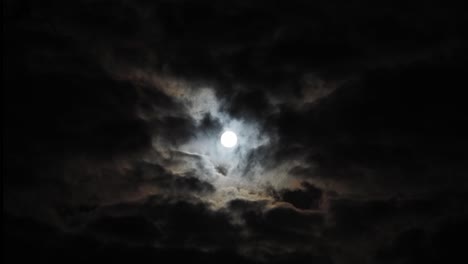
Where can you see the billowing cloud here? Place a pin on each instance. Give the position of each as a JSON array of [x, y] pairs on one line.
[[349, 117]]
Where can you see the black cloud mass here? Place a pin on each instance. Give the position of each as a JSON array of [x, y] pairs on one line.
[[351, 118]]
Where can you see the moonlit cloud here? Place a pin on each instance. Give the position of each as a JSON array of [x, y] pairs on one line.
[[349, 117]]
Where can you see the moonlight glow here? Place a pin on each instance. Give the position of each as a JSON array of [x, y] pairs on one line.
[[229, 139]]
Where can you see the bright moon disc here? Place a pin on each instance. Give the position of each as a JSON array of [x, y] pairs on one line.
[[228, 139]]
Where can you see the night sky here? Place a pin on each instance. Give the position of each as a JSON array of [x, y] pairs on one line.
[[351, 119]]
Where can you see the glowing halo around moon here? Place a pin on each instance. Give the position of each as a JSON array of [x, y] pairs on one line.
[[229, 139]]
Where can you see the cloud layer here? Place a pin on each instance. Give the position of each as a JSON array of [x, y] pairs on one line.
[[350, 119]]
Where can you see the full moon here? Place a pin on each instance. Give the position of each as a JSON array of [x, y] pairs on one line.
[[228, 139]]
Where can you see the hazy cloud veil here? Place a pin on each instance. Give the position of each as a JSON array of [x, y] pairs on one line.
[[350, 117]]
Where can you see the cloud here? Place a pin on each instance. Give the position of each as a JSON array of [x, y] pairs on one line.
[[309, 198], [350, 122]]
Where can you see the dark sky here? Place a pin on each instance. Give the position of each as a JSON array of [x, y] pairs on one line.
[[351, 119]]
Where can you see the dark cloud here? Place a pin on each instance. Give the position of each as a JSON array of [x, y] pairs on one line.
[[419, 246], [176, 130], [252, 104], [350, 118], [277, 230], [126, 228], [210, 125], [307, 198], [172, 183], [394, 127]]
